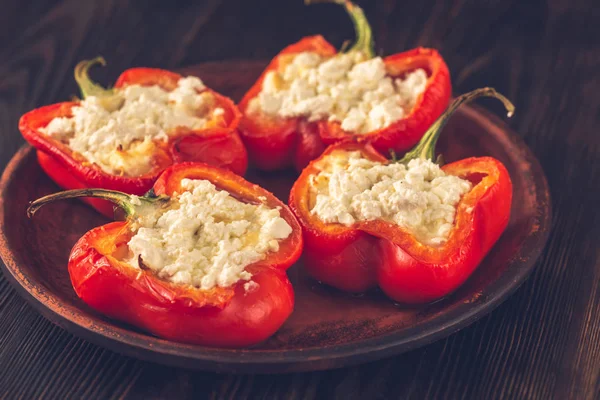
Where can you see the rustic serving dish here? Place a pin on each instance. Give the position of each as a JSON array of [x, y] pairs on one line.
[[328, 328]]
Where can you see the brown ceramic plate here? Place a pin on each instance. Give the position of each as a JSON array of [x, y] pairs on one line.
[[328, 328]]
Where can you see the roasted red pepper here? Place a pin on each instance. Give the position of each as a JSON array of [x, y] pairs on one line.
[[217, 144], [276, 142], [229, 317], [373, 253]]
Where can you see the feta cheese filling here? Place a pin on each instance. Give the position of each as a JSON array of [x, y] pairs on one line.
[[346, 88], [419, 197], [119, 135], [207, 238]]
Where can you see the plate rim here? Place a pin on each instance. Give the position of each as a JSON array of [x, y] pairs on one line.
[[139, 345]]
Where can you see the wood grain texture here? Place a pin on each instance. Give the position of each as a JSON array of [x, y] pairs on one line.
[[542, 343]]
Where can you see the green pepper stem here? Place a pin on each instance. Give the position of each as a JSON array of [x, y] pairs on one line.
[[127, 202], [425, 149], [87, 87], [364, 35]]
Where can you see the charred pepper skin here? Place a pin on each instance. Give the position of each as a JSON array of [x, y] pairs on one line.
[[218, 145], [375, 253], [276, 143], [226, 317]]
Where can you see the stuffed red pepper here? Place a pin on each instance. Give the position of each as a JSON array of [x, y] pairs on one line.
[[409, 226], [123, 138], [200, 259], [310, 96]]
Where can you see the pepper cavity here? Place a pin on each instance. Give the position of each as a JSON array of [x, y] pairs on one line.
[[181, 267], [202, 236], [413, 192], [312, 95], [122, 129], [352, 87], [409, 226]]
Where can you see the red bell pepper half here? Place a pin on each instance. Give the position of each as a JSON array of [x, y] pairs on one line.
[[275, 142], [217, 144], [378, 253], [228, 317]]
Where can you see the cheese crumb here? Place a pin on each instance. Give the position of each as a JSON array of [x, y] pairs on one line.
[[135, 200], [250, 287], [346, 88], [419, 197], [208, 238], [123, 140]]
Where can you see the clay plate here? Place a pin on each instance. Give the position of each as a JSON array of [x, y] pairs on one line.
[[328, 328]]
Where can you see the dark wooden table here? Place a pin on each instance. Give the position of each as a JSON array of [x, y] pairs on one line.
[[543, 343]]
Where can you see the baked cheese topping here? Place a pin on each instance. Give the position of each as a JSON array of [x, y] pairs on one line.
[[419, 197], [346, 88], [207, 238], [119, 134]]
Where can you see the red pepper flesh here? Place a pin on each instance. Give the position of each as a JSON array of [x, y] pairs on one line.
[[276, 143], [218, 144], [378, 253], [224, 317]]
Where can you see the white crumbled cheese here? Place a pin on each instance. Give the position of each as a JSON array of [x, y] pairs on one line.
[[251, 286], [346, 88], [207, 238], [419, 197], [120, 139], [135, 200]]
